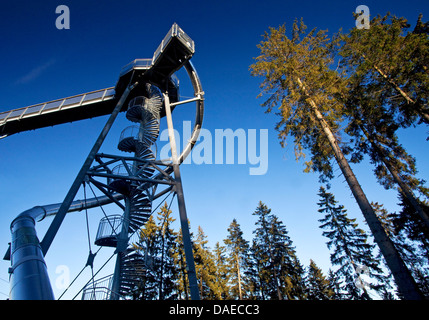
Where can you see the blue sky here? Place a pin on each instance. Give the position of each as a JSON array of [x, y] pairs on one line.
[[39, 63]]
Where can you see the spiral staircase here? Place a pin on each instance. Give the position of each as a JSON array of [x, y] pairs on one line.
[[140, 140]]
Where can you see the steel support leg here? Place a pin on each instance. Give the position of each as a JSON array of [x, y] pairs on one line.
[[121, 247], [192, 277]]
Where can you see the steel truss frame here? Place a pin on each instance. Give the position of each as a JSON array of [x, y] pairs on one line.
[[104, 170]]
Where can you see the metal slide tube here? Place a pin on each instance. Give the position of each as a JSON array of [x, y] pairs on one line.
[[38, 213], [29, 277]]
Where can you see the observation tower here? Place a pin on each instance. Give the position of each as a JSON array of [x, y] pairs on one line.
[[147, 91]]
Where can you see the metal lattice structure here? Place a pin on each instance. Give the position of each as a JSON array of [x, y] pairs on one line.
[[147, 90]]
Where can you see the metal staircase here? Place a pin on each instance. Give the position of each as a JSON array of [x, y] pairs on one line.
[[133, 271], [131, 262]]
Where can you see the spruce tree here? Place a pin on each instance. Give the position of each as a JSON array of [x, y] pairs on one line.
[[182, 285], [279, 275], [412, 240], [167, 269], [222, 273], [205, 267], [371, 106], [395, 60], [238, 249], [351, 250], [335, 285], [255, 273], [318, 286], [157, 242], [148, 244]]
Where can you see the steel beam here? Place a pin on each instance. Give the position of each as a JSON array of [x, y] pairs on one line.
[[192, 277]]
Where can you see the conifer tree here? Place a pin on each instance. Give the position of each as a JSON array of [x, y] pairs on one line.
[[335, 285], [279, 275], [412, 240], [157, 241], [318, 286], [238, 251], [396, 62], [222, 274], [255, 273], [372, 107], [300, 82], [148, 244], [167, 269], [351, 250], [182, 285], [205, 267]]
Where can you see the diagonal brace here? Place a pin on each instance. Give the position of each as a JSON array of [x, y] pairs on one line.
[[59, 217]]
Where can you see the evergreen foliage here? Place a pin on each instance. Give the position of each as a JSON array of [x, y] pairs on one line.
[[412, 239], [238, 249], [351, 250], [342, 96], [331, 90], [269, 268], [318, 287]]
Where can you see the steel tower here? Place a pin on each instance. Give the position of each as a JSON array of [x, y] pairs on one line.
[[147, 90]]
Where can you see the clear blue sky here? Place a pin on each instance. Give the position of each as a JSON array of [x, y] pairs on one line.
[[39, 63]]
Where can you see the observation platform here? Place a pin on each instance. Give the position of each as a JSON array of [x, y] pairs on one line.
[[174, 51]]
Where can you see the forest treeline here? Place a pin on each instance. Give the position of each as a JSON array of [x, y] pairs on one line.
[[267, 266], [340, 99]]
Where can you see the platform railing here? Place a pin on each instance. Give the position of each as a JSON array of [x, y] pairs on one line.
[[109, 227], [99, 289], [136, 64], [56, 105]]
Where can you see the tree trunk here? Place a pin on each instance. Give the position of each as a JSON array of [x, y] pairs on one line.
[[404, 189], [239, 278], [405, 282]]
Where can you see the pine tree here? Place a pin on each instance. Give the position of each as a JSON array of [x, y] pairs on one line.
[[167, 269], [205, 267], [182, 285], [301, 84], [238, 251], [317, 286], [222, 274], [396, 62], [277, 271], [412, 239], [351, 250], [371, 108], [148, 245], [335, 285]]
